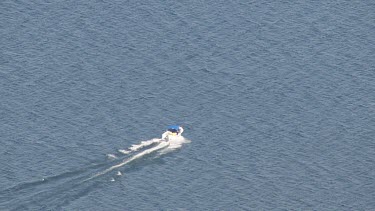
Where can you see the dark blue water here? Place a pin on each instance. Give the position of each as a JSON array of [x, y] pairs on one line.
[[277, 100]]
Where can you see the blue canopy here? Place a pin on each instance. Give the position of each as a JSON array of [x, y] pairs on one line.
[[173, 127]]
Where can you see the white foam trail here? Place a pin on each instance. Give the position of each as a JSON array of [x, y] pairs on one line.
[[137, 156], [163, 147], [111, 156], [174, 143], [136, 147], [124, 151]]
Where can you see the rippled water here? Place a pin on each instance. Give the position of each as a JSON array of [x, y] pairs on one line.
[[277, 100]]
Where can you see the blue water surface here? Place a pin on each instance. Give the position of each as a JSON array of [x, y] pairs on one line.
[[277, 99]]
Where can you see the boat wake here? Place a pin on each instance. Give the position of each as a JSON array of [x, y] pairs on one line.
[[161, 144], [59, 190]]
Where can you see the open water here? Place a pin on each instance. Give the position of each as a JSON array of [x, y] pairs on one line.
[[277, 100]]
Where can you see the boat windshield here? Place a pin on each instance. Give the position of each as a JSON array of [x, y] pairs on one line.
[[172, 130]]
